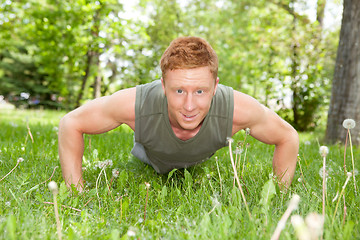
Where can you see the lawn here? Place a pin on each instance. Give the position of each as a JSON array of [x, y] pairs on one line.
[[202, 202]]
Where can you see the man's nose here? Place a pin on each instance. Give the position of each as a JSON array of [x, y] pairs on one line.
[[189, 103]]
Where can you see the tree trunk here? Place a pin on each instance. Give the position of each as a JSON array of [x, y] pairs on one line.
[[320, 10], [98, 79], [85, 78], [345, 98]]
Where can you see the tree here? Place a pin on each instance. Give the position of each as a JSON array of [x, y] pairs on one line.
[[345, 100]]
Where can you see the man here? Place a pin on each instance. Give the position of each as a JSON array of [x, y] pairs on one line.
[[179, 121]]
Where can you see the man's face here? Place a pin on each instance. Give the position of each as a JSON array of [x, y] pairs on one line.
[[189, 93]]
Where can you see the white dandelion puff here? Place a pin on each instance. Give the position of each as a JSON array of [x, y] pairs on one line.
[[315, 223], [115, 173], [131, 233], [20, 159], [349, 123], [247, 131], [327, 172], [238, 151], [230, 140], [324, 150], [53, 187]]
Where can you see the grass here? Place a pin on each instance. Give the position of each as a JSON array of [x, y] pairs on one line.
[[184, 204]]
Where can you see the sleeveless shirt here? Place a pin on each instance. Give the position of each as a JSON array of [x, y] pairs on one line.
[[163, 149]]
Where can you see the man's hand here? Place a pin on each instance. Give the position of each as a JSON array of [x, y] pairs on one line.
[[267, 127], [98, 116]]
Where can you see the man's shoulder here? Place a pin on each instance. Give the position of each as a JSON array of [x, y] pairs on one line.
[[150, 98]]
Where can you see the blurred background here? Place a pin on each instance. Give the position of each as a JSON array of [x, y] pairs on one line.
[[59, 54]]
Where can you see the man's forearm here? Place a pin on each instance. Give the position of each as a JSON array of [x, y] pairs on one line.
[[284, 162], [71, 149]]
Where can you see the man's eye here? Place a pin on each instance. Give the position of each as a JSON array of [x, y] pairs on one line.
[[199, 91], [179, 91]]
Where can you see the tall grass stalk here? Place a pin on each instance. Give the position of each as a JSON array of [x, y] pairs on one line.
[[341, 194], [230, 140], [352, 161], [324, 151], [17, 163]]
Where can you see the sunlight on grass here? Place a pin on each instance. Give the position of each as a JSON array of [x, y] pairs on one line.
[[184, 204]]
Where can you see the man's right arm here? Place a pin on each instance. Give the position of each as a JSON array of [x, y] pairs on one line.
[[98, 116]]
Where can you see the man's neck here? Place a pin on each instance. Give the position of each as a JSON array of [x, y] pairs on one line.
[[184, 134]]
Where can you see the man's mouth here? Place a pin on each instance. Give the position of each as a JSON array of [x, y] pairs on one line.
[[189, 117]]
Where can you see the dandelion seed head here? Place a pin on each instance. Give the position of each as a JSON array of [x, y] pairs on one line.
[[327, 171], [238, 151], [20, 159], [53, 187], [7, 204], [230, 140], [307, 142], [349, 123], [297, 220], [247, 131], [299, 179], [349, 174], [315, 223], [131, 233], [294, 202], [324, 150], [22, 149], [147, 185], [115, 173], [104, 164]]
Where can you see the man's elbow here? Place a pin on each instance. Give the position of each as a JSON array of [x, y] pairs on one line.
[[68, 122]]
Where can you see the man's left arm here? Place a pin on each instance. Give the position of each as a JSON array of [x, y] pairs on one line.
[[267, 127]]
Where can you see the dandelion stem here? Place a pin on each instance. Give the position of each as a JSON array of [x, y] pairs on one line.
[[243, 167], [348, 131], [97, 183], [341, 194], [17, 163], [75, 209], [352, 160], [324, 187], [237, 179], [147, 196], [281, 224], [217, 166], [58, 226], [345, 213], [29, 132]]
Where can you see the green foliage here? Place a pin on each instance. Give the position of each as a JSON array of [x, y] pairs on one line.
[[55, 50]]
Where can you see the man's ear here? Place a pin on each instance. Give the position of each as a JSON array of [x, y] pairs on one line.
[[163, 85], [216, 84]]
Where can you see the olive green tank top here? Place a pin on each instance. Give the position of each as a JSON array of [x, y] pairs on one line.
[[163, 149]]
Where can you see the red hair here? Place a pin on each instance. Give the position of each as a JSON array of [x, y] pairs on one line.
[[187, 53]]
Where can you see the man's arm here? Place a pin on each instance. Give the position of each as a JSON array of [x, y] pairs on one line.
[[97, 116], [267, 127]]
